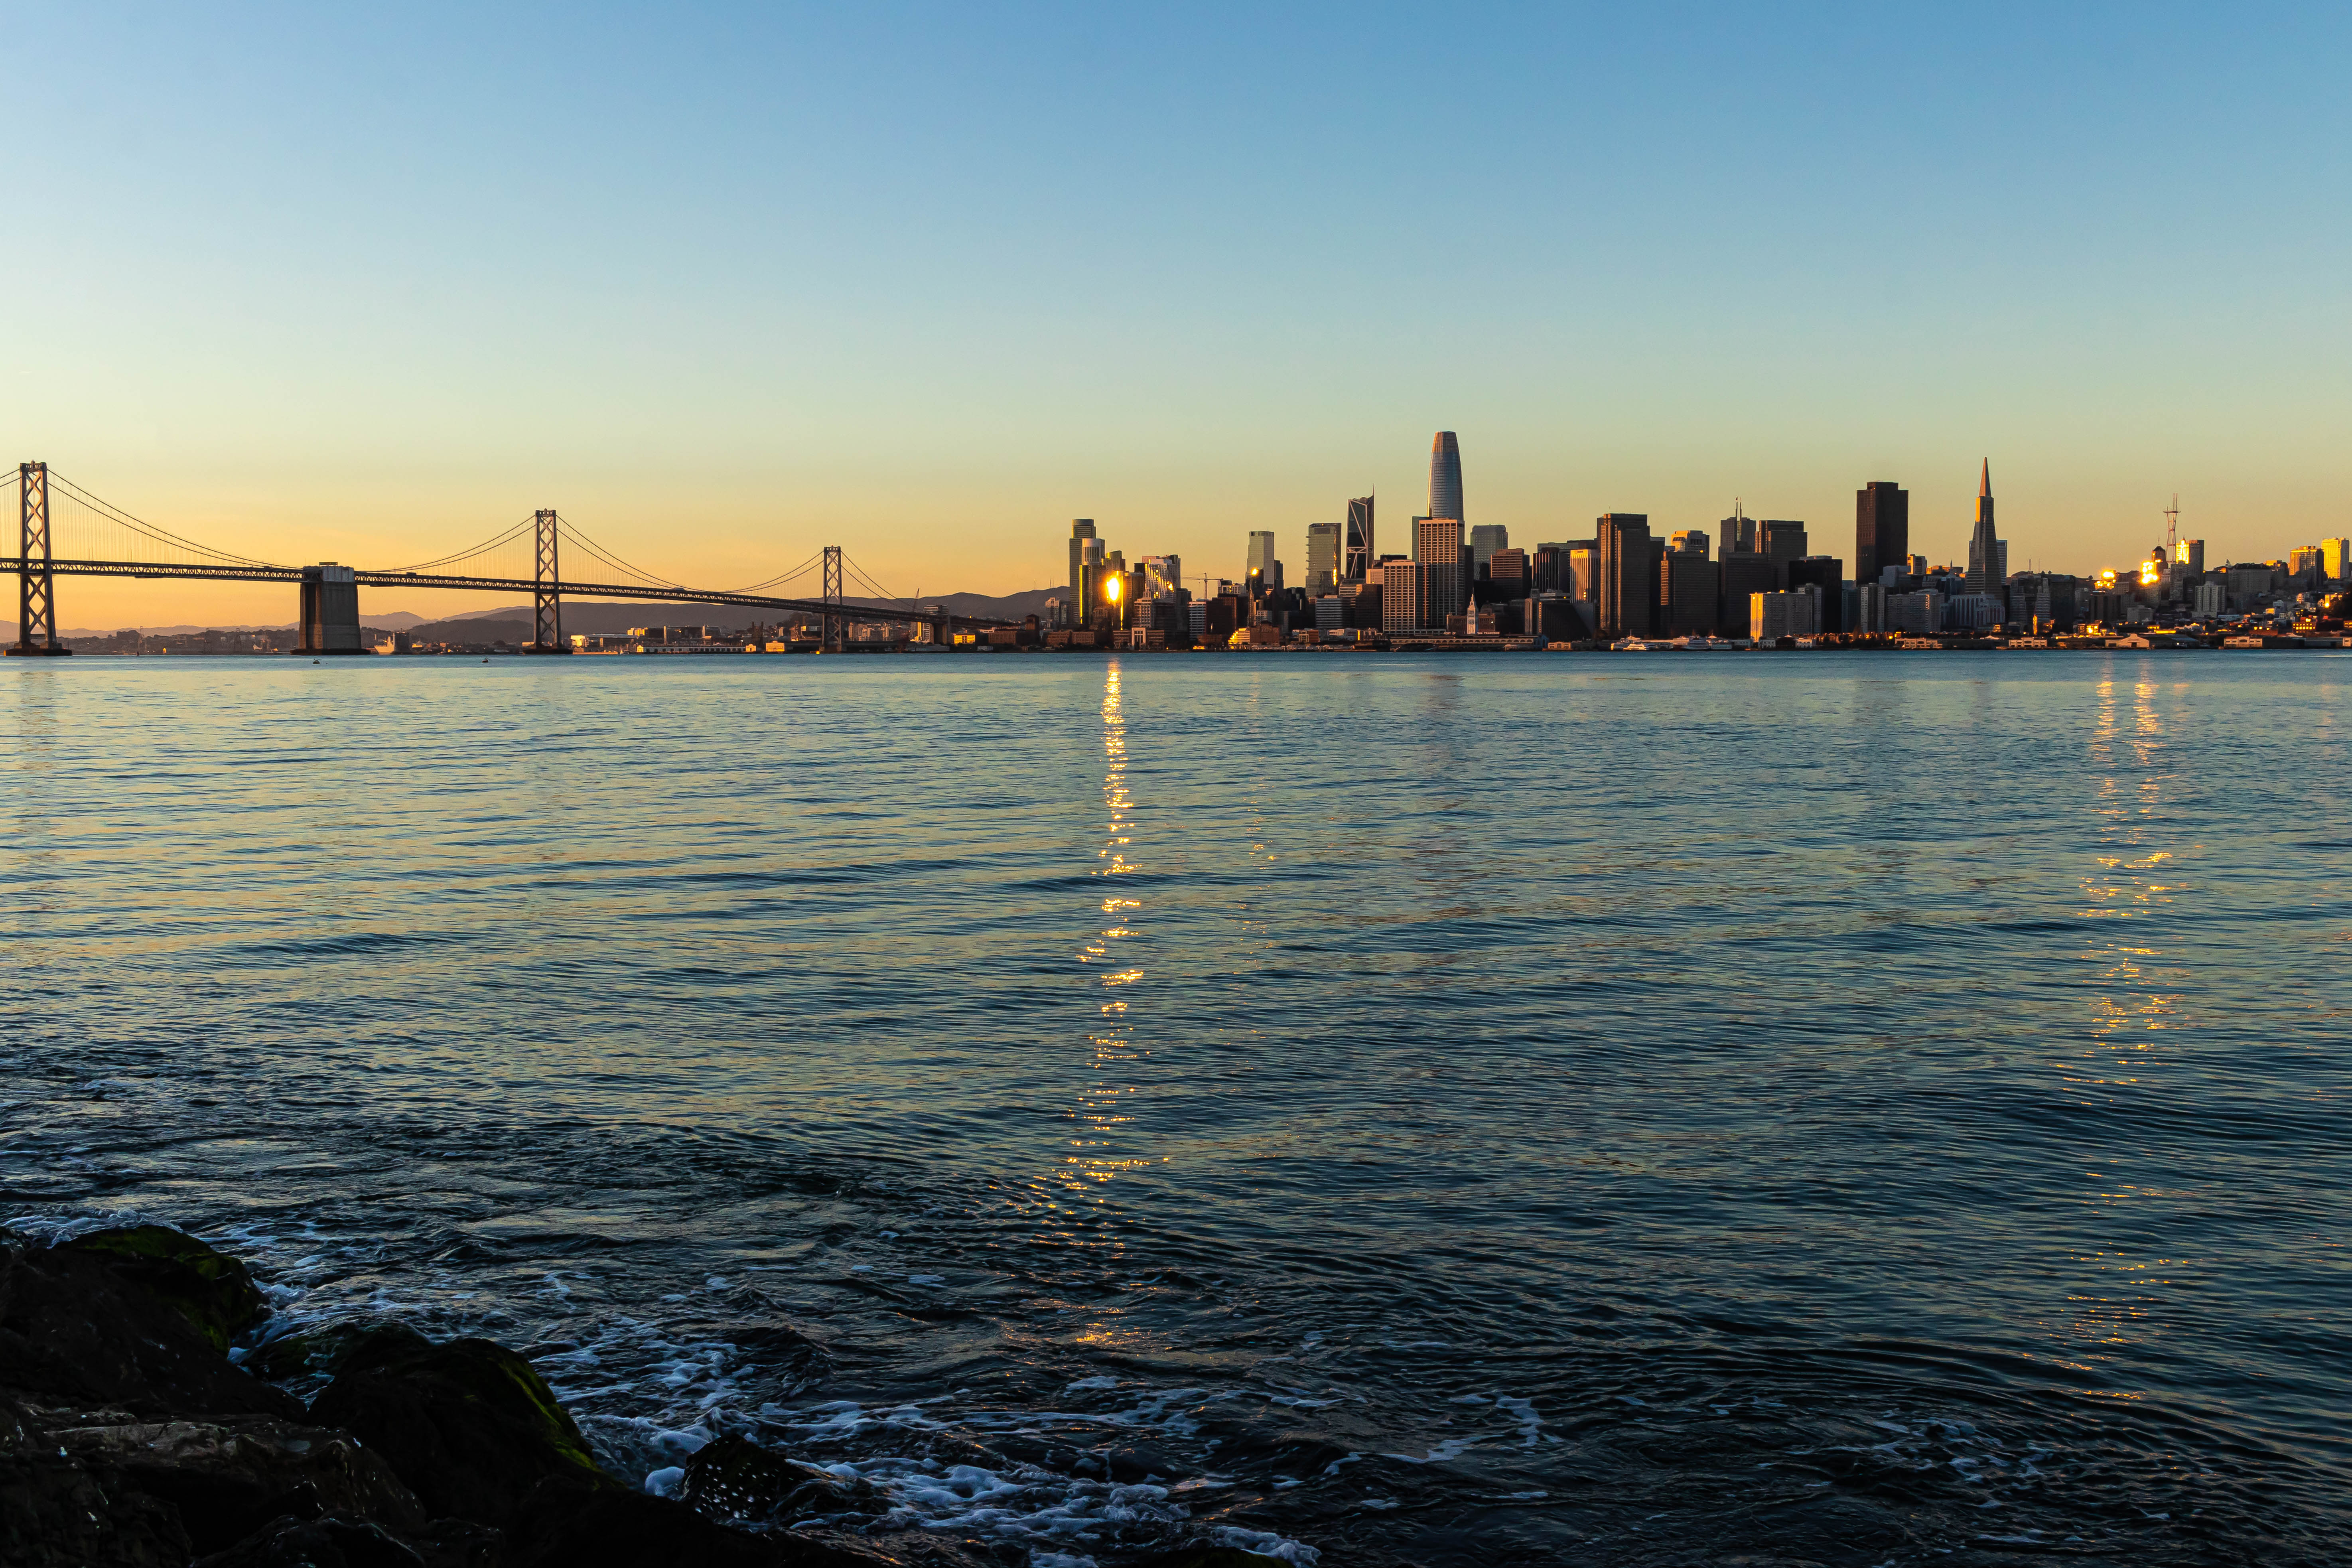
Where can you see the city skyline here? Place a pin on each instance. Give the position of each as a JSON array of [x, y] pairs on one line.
[[342, 289]]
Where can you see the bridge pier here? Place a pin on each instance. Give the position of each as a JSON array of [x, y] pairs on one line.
[[37, 598], [331, 610]]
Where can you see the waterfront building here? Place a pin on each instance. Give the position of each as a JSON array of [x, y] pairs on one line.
[[1870, 608], [1973, 612], [1744, 573], [1081, 530], [1783, 540], [1688, 587], [1323, 555], [1438, 550], [1882, 531], [1445, 477], [1920, 613], [1624, 574], [1988, 556], [1359, 555], [1484, 539], [1826, 575], [1771, 616]]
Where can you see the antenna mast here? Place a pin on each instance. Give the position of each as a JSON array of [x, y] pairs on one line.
[[2172, 529]]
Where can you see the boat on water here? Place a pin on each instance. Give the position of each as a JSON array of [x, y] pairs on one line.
[[1643, 644]]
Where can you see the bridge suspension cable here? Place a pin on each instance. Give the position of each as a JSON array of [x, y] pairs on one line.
[[83, 526]]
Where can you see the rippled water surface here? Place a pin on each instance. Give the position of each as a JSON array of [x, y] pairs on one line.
[[1810, 1109]]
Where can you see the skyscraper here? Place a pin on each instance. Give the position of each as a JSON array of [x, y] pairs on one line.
[[1323, 555], [1401, 596], [1484, 539], [1987, 560], [1437, 548], [1688, 587], [1882, 530], [1784, 540], [1445, 477], [1359, 543], [1623, 574], [1265, 573], [1738, 531], [1075, 606]]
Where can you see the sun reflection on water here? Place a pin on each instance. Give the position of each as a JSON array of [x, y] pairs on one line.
[[1101, 1108]]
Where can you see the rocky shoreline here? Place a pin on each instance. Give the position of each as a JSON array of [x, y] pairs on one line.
[[131, 1438]]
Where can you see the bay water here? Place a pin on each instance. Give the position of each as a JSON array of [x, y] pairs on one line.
[[1821, 1108]]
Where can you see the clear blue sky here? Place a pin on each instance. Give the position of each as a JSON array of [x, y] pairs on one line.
[[726, 283]]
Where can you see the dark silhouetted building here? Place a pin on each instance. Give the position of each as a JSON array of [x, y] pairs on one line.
[[1688, 591], [1882, 530], [1827, 573], [1745, 574], [1783, 541], [1624, 571]]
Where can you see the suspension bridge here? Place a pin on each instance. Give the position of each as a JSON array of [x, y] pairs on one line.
[[66, 532]]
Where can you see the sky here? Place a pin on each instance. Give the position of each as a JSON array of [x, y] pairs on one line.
[[727, 283]]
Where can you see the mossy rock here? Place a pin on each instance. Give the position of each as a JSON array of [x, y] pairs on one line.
[[326, 1349], [210, 1290], [467, 1424]]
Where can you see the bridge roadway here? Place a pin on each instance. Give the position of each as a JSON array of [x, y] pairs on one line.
[[525, 587]]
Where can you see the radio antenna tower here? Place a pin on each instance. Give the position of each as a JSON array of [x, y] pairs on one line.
[[2172, 529]]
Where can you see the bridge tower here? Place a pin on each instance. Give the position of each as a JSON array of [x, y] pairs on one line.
[[36, 599], [546, 599], [836, 620]]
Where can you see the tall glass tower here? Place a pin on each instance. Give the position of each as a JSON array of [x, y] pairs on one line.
[[1445, 477]]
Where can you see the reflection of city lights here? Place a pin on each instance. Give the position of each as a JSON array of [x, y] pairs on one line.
[[1111, 590], [2150, 573], [2107, 578]]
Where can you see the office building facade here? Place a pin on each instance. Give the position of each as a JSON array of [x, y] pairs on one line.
[[1825, 574], [1623, 574], [1484, 539], [1794, 613], [1401, 596], [1323, 556], [1882, 530], [1782, 540], [1437, 550], [1744, 573], [1074, 604], [1688, 589]]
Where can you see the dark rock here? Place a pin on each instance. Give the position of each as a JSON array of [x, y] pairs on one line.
[[565, 1525], [468, 1425], [56, 1513], [316, 1543], [228, 1479], [1204, 1557], [213, 1290], [735, 1478], [77, 1330], [323, 1350]]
